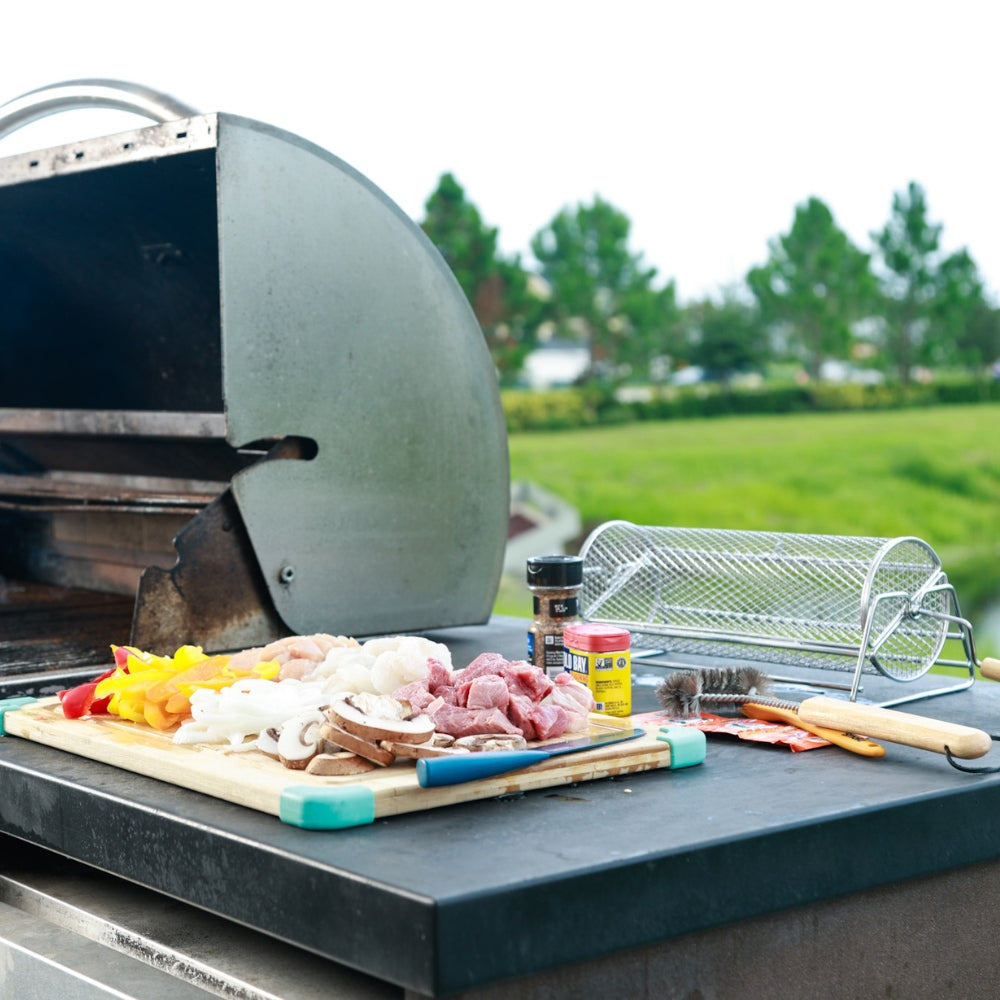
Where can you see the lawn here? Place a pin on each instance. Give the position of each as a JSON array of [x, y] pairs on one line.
[[933, 473]]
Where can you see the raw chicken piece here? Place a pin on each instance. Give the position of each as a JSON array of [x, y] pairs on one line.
[[575, 698]]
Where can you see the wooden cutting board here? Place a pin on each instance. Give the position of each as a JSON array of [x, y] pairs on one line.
[[250, 778]]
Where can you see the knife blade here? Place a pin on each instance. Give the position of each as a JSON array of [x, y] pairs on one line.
[[433, 772]]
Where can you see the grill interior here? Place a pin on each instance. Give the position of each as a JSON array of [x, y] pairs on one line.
[[241, 396]]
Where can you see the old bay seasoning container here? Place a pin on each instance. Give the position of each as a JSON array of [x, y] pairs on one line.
[[555, 583], [600, 656]]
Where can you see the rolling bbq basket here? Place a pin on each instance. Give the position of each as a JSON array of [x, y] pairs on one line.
[[878, 606]]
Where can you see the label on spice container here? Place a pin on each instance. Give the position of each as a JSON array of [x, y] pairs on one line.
[[545, 650], [600, 657], [557, 607]]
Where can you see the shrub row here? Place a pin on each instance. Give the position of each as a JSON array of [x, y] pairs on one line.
[[589, 406]]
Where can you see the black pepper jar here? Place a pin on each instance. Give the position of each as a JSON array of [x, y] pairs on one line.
[[555, 582]]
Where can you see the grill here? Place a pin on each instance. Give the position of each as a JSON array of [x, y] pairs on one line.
[[241, 396]]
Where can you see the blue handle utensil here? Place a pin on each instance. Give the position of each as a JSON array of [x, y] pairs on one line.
[[433, 772]]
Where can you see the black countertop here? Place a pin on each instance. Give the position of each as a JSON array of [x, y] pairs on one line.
[[459, 897]]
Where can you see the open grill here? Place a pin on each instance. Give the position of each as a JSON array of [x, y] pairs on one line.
[[241, 396]]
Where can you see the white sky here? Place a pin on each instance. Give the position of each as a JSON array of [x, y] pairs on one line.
[[706, 122]]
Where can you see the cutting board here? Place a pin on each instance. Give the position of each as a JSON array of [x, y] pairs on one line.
[[250, 778]]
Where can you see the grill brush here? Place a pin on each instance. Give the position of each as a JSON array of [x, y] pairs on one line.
[[684, 693], [687, 692]]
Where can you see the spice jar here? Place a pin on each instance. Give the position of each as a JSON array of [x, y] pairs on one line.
[[600, 657], [555, 583]]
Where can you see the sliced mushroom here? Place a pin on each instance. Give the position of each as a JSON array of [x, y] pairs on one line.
[[347, 716], [368, 749], [414, 751], [267, 742], [492, 741], [299, 739], [340, 763]]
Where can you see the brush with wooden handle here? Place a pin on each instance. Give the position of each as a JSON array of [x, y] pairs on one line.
[[896, 727], [685, 692], [847, 741], [990, 668]]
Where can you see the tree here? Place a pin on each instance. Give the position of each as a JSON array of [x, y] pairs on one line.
[[932, 301], [497, 288], [978, 343], [601, 292], [815, 284], [728, 336]]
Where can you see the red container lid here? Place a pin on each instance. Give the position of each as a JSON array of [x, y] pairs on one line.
[[593, 637]]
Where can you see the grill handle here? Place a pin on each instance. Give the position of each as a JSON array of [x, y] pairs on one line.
[[73, 95]]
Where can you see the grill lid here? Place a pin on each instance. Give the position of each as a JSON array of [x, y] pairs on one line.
[[183, 299]]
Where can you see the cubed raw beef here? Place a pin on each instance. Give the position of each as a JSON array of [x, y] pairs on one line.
[[488, 691], [447, 693], [549, 720], [438, 675], [525, 678], [416, 694], [519, 712], [459, 722], [484, 663]]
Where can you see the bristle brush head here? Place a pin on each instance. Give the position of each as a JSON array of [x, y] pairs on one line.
[[687, 692]]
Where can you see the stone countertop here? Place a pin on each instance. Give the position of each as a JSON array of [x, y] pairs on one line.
[[460, 897]]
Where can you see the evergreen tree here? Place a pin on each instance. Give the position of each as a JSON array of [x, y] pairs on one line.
[[815, 285], [497, 288], [934, 308], [602, 292]]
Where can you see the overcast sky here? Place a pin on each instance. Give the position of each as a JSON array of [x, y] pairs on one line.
[[706, 122]]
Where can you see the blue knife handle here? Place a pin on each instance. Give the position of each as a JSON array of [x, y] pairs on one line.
[[453, 770]]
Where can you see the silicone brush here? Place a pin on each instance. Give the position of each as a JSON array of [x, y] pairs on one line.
[[776, 713], [686, 692]]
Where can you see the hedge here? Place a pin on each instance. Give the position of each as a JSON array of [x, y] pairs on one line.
[[588, 406]]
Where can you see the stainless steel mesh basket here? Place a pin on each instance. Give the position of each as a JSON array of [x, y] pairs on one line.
[[871, 605]]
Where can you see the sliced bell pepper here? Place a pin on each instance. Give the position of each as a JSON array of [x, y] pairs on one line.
[[82, 700], [157, 689]]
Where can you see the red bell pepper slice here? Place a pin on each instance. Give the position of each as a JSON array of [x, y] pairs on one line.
[[80, 701]]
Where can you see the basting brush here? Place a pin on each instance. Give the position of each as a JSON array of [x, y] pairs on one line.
[[721, 687]]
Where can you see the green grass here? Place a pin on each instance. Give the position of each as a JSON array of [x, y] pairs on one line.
[[933, 473]]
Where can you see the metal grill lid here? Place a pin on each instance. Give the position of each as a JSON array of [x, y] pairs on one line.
[[261, 290]]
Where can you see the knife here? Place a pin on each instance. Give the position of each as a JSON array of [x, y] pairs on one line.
[[433, 772]]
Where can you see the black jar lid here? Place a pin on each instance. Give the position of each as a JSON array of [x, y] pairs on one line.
[[555, 571]]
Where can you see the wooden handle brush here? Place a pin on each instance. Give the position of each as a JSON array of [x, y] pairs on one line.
[[848, 741], [990, 668], [896, 727], [684, 693]]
